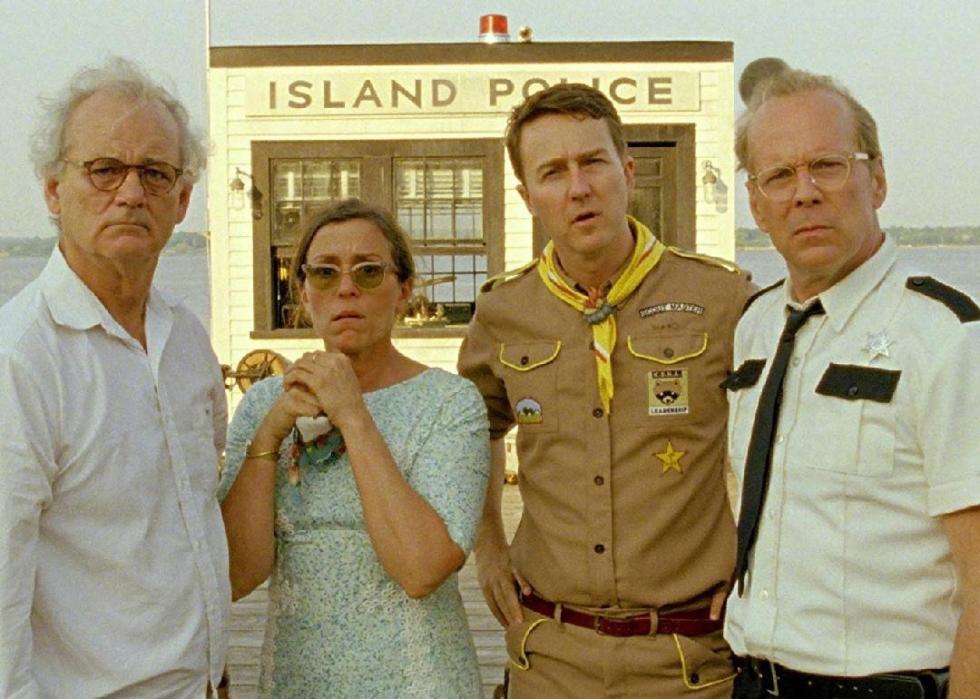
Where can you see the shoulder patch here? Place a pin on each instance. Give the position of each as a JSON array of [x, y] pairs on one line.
[[955, 300], [760, 292], [707, 259], [507, 276]]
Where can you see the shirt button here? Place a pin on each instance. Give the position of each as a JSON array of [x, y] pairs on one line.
[[598, 480], [779, 439], [668, 352], [599, 548], [796, 361], [764, 594], [770, 516], [524, 360], [852, 391], [598, 412]]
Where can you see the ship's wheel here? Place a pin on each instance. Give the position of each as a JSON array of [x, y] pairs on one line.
[[255, 366]]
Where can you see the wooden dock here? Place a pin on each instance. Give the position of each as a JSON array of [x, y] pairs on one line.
[[248, 623]]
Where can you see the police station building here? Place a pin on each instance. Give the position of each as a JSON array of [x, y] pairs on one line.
[[418, 128]]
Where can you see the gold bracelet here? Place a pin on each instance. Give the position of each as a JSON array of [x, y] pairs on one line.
[[263, 454]]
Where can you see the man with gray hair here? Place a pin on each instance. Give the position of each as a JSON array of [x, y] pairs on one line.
[[113, 561], [850, 414]]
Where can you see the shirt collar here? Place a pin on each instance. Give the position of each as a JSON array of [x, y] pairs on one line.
[[74, 305], [842, 299]]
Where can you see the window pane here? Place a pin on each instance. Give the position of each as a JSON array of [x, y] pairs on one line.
[[301, 186], [440, 200]]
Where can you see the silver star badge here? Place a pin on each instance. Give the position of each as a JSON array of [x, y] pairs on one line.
[[877, 345]]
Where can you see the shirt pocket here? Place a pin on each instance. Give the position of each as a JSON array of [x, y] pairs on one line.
[[743, 386], [855, 420], [530, 371], [196, 430], [664, 381]]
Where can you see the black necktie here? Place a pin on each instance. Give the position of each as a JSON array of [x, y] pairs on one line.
[[757, 462]]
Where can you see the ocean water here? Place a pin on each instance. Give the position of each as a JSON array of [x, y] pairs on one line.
[[186, 276]]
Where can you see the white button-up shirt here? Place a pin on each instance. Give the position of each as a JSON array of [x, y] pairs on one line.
[[851, 573], [113, 560]]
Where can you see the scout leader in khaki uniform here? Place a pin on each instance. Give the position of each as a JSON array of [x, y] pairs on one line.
[[607, 353]]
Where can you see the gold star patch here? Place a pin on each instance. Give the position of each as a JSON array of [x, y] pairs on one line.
[[671, 458]]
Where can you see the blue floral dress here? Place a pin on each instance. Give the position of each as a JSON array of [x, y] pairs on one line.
[[338, 624]]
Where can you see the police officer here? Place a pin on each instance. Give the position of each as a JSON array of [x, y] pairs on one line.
[[853, 428]]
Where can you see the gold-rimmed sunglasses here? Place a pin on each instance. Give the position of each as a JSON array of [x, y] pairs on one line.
[[366, 275]]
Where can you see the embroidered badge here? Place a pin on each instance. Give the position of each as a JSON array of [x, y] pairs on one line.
[[675, 306], [877, 345], [671, 458], [528, 412], [667, 392]]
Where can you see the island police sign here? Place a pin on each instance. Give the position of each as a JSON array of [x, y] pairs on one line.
[[345, 91]]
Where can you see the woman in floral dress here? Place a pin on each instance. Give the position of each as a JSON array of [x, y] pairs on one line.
[[356, 481]]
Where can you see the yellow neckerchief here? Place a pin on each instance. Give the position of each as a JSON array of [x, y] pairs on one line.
[[598, 311]]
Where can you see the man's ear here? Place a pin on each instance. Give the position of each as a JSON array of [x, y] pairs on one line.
[[51, 196], [522, 190], [879, 183], [755, 203], [629, 171], [184, 200]]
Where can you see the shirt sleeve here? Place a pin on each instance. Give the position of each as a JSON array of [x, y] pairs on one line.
[[27, 468], [477, 356], [248, 416], [453, 467], [948, 400]]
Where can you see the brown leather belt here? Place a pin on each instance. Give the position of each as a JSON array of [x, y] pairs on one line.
[[689, 622]]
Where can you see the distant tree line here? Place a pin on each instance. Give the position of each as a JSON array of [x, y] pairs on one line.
[[181, 243], [903, 235]]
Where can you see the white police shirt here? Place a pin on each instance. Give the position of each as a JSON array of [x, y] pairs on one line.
[[851, 573], [113, 562]]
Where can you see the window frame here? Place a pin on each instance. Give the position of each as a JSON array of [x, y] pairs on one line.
[[376, 185]]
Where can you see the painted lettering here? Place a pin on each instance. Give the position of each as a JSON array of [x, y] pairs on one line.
[[272, 94], [367, 92], [614, 91], [413, 97], [304, 99], [532, 83], [450, 92], [660, 90], [328, 102], [500, 87]]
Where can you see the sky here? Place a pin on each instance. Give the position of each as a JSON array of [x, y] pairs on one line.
[[916, 66]]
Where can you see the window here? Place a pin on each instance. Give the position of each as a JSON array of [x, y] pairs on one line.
[[447, 195]]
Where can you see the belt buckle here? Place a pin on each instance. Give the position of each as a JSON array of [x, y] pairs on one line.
[[774, 692], [600, 624]]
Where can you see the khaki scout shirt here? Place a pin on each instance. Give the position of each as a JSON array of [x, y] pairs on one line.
[[627, 509]]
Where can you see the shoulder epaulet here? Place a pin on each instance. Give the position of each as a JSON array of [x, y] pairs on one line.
[[508, 275], [955, 300], [760, 292], [708, 259]]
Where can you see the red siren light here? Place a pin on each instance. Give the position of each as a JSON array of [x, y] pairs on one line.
[[493, 29]]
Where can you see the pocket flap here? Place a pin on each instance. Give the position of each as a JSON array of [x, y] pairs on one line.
[[528, 355], [745, 376], [668, 349], [852, 382]]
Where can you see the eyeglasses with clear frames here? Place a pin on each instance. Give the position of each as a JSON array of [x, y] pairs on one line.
[[108, 174], [827, 172], [366, 275]]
